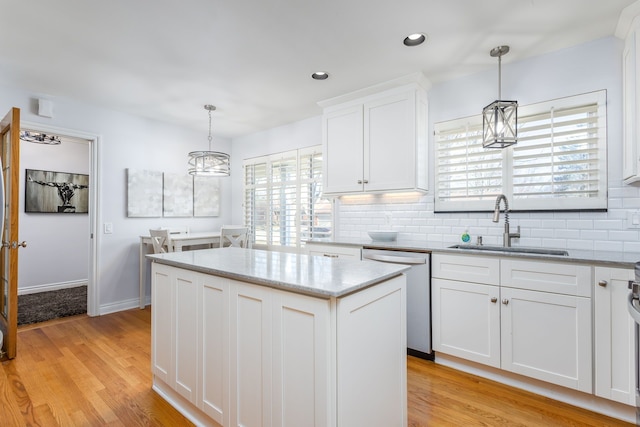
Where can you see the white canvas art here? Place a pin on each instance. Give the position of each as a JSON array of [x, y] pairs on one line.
[[206, 196], [144, 193], [178, 195]]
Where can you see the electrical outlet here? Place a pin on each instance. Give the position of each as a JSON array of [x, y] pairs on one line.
[[108, 228], [633, 219]]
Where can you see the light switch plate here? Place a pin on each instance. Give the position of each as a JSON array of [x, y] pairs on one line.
[[633, 219], [108, 228]]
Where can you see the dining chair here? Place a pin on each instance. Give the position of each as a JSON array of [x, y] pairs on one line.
[[234, 235], [161, 240]]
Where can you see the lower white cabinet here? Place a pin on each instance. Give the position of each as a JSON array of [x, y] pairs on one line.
[[333, 251], [466, 320], [547, 336], [613, 330], [543, 335], [248, 355]]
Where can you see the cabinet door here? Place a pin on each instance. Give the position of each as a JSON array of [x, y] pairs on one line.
[[162, 322], [466, 320], [333, 251], [250, 355], [343, 150], [214, 306], [547, 336], [371, 362], [613, 333], [186, 333], [301, 360], [390, 143], [631, 99]]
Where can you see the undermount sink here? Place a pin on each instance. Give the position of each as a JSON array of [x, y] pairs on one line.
[[523, 250]]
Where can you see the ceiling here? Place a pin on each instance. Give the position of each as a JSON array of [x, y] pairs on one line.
[[252, 59]]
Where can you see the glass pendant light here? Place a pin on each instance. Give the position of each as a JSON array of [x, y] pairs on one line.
[[500, 118], [209, 163]]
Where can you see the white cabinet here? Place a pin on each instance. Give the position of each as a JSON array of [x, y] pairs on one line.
[[631, 104], [613, 330], [245, 354], [522, 316], [377, 143], [333, 250], [214, 314], [466, 320]]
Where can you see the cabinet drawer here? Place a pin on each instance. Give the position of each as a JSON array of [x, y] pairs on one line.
[[465, 268], [559, 278], [334, 251]]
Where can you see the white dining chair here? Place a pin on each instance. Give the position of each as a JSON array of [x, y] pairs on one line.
[[161, 240], [234, 235]]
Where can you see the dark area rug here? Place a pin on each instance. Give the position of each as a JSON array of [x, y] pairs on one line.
[[49, 305]]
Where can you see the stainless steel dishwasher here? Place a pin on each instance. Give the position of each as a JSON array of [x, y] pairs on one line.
[[418, 296]]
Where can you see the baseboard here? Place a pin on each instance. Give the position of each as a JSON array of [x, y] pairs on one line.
[[51, 287], [119, 306]]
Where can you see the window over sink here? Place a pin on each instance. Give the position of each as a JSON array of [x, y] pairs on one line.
[[559, 162], [283, 199]]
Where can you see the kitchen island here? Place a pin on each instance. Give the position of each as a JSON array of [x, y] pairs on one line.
[[262, 338]]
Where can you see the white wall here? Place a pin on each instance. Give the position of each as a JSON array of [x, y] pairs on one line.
[[584, 68], [125, 141], [45, 232]]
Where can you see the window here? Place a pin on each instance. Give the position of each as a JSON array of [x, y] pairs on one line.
[[559, 162], [283, 202]]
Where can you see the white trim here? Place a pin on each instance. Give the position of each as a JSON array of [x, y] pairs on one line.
[[115, 307], [50, 287], [95, 215]]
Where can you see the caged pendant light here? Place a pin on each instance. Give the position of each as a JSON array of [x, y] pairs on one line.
[[209, 163], [500, 118]]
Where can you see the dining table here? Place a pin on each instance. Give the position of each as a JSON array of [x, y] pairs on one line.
[[179, 241]]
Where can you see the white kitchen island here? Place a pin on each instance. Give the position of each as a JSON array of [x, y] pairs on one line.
[[259, 338]]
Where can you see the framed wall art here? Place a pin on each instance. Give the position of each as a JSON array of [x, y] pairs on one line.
[[144, 193], [56, 192]]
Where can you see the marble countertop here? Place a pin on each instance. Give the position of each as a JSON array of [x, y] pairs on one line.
[[311, 275], [603, 258]]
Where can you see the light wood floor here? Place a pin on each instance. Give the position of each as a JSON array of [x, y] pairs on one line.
[[87, 371]]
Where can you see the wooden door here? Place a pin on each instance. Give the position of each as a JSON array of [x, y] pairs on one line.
[[10, 157]]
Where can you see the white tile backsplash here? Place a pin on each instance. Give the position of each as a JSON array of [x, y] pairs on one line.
[[414, 219]]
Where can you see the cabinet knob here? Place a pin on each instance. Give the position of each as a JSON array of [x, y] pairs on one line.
[[505, 301], [603, 283], [366, 181], [359, 181], [494, 299]]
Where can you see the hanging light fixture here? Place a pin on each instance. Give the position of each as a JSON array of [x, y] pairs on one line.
[[500, 118], [209, 163], [39, 138]]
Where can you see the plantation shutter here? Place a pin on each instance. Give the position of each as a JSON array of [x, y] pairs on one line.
[[284, 183], [559, 162], [315, 211], [466, 174], [256, 202], [560, 157]]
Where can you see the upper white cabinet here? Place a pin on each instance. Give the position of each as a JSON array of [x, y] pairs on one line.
[[629, 30], [376, 143]]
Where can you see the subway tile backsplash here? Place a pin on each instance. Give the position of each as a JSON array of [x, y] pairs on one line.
[[412, 215]]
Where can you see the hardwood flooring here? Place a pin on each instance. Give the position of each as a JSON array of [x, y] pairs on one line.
[[94, 371]]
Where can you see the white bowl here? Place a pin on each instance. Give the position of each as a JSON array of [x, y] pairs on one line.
[[383, 236]]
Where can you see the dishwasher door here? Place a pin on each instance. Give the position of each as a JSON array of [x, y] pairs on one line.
[[418, 296]]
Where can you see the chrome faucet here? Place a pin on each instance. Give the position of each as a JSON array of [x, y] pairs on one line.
[[506, 236]]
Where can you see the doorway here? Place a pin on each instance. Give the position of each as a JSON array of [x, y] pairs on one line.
[[67, 252]]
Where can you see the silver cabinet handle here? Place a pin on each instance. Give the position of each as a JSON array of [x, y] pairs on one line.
[[505, 301], [494, 300], [330, 255], [603, 283]]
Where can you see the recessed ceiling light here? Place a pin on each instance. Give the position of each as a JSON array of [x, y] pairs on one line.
[[320, 75], [414, 39]]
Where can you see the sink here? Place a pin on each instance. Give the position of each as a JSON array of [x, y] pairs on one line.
[[512, 249]]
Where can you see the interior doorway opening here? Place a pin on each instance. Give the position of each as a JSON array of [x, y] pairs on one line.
[[70, 251]]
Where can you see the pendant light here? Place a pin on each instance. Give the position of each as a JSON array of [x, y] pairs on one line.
[[209, 163], [500, 118]]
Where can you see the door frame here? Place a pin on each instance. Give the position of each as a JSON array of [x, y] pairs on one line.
[[93, 300]]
